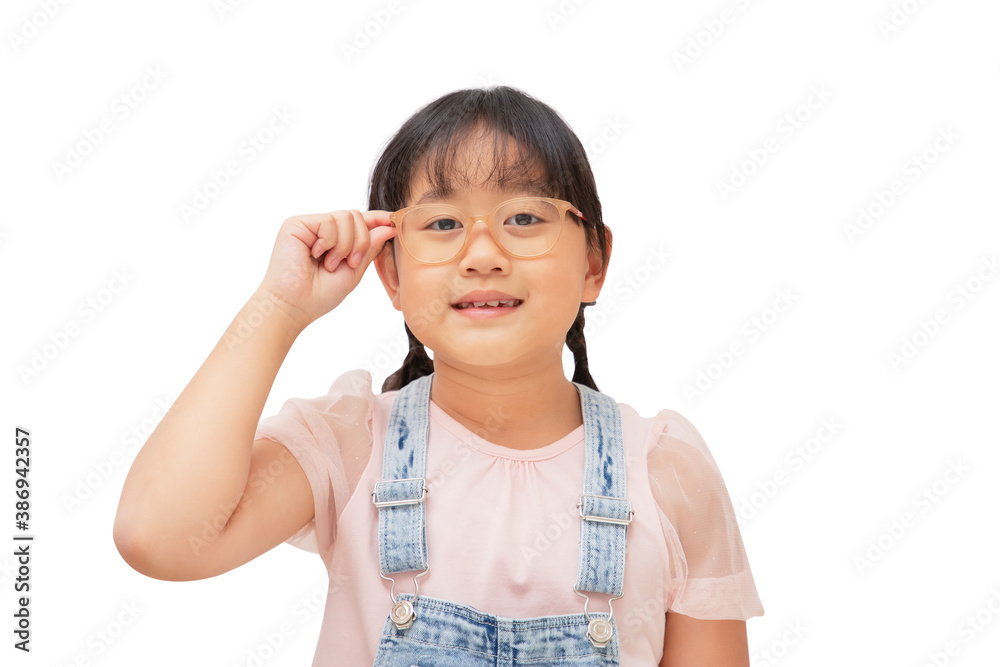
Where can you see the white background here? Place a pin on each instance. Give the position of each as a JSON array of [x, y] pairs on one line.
[[662, 135]]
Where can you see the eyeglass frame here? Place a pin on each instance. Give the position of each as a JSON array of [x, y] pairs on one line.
[[396, 217]]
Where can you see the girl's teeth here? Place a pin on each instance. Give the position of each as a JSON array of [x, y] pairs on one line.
[[493, 304]]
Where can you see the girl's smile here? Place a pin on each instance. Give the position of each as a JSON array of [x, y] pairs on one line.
[[486, 304]]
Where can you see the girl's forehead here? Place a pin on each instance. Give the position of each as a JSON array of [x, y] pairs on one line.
[[481, 163]]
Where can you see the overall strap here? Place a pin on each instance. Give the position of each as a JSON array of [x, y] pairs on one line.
[[399, 497], [605, 512]]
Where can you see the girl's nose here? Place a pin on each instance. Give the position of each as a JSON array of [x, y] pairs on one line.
[[481, 244]]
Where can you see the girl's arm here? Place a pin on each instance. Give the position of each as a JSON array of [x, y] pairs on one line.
[[202, 497], [180, 515], [693, 642]]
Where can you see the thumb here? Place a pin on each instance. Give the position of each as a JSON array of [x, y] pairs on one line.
[[379, 236]]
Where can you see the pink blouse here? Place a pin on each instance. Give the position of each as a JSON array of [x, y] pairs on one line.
[[503, 527]]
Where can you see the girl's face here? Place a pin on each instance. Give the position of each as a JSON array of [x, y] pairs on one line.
[[550, 287]]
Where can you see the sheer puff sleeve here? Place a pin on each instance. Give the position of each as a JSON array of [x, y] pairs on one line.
[[331, 438], [708, 569]]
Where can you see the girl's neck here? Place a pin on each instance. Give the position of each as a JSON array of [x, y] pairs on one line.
[[524, 411]]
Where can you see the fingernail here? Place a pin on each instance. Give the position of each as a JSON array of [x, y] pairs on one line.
[[356, 257], [336, 262]]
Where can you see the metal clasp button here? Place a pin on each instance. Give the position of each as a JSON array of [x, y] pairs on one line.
[[402, 614], [599, 632]]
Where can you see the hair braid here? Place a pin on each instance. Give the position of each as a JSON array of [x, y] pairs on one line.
[[578, 346], [417, 364]]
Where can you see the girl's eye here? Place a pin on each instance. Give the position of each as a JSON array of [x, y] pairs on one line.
[[446, 224], [524, 219]]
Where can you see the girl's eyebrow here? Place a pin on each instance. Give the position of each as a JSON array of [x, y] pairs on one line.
[[434, 194]]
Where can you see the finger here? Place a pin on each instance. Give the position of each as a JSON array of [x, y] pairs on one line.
[[324, 226], [361, 242], [325, 232], [341, 247], [379, 237], [345, 237], [377, 218]]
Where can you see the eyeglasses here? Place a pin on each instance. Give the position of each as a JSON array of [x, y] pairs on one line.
[[524, 227]]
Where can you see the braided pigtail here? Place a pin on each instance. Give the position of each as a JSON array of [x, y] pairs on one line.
[[417, 364], [578, 346]]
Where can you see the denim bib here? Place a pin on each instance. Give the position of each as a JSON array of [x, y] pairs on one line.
[[421, 631]]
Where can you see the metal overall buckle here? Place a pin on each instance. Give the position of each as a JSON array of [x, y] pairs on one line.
[[605, 519], [599, 630], [408, 501], [402, 613]]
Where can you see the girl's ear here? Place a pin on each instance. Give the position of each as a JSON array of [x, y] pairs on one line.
[[385, 265], [596, 271]]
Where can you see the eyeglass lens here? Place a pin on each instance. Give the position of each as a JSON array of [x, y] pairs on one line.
[[525, 227]]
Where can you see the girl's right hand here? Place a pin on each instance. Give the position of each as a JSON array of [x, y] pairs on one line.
[[319, 259]]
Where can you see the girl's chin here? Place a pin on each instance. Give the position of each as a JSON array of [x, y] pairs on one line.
[[471, 357]]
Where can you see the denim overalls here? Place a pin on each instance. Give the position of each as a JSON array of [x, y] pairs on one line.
[[422, 631]]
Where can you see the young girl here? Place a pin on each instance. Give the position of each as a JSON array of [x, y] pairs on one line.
[[482, 509]]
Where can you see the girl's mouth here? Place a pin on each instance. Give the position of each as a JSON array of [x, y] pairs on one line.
[[487, 309], [482, 305]]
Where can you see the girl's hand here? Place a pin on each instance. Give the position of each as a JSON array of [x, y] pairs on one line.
[[319, 259]]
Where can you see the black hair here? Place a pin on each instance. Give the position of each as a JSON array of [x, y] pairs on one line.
[[430, 138]]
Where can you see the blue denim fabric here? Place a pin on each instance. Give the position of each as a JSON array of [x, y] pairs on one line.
[[445, 633], [602, 545], [402, 542]]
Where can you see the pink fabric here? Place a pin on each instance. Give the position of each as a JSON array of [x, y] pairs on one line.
[[503, 527]]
